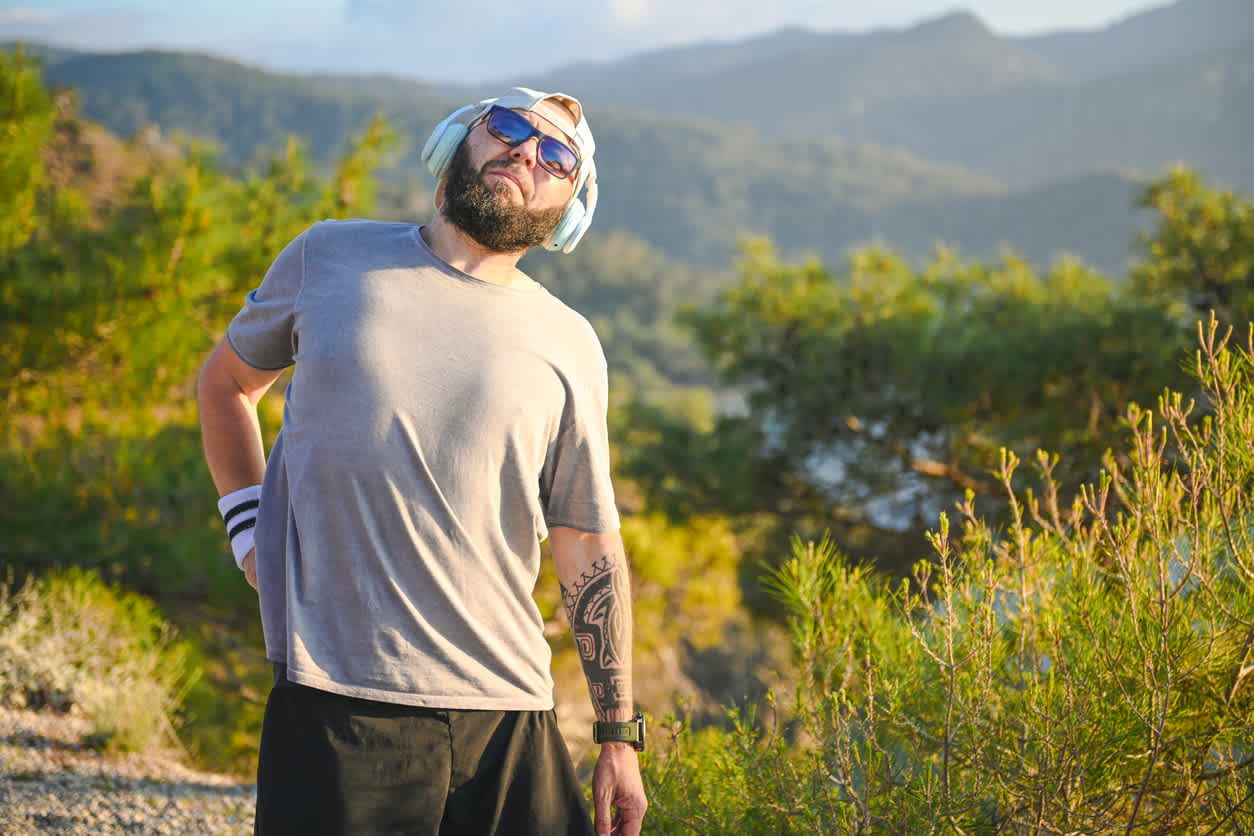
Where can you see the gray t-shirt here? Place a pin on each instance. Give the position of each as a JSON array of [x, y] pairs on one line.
[[434, 427]]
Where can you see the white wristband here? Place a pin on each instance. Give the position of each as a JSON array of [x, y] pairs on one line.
[[239, 512]]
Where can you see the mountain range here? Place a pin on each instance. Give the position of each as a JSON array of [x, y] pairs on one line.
[[942, 132], [1174, 84]]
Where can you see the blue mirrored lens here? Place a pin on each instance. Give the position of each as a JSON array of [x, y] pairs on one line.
[[511, 128], [556, 157]]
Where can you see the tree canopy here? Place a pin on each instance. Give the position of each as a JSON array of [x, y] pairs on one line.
[[877, 395]]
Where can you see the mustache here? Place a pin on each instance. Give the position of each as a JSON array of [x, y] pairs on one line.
[[514, 169], [508, 165]]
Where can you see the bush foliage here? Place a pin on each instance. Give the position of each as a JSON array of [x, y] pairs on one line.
[[70, 642], [1087, 669]]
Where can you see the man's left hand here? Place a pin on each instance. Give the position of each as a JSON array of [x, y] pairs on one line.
[[617, 788]]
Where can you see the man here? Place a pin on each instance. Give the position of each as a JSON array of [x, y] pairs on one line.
[[445, 414]]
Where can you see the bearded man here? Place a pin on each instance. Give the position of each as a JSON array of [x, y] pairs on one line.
[[445, 415]]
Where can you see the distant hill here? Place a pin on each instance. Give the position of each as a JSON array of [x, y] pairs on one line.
[[693, 187], [46, 53], [244, 110], [689, 186], [697, 60], [1170, 85], [1199, 112], [1169, 34], [1090, 217], [795, 83]]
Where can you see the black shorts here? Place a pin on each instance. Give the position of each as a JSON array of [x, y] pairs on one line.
[[331, 764]]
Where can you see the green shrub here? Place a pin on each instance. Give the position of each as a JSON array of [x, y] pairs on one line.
[[69, 642], [1090, 669]]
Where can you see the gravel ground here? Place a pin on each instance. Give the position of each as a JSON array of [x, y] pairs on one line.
[[51, 783]]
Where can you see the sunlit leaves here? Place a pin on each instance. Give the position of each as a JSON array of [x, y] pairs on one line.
[[1201, 252], [115, 285]]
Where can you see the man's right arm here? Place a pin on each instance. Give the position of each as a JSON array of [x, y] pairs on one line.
[[228, 392]]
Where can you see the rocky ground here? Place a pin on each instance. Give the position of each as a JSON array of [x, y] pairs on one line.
[[50, 782]]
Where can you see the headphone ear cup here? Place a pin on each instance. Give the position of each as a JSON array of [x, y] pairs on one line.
[[440, 147], [569, 229], [443, 145]]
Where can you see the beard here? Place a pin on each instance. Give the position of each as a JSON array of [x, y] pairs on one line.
[[486, 217]]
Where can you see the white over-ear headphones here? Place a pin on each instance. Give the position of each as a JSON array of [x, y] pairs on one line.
[[447, 136]]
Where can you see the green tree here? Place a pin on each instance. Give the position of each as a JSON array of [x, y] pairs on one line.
[[108, 311], [886, 392], [26, 118], [1200, 255], [867, 399]]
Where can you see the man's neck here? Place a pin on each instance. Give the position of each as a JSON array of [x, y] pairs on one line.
[[466, 254]]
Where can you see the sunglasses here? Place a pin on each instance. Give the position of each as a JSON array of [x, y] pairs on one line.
[[513, 129]]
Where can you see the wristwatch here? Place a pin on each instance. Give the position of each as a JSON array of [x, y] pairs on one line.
[[630, 732]]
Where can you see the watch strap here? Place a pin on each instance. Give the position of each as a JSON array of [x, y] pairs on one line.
[[631, 732]]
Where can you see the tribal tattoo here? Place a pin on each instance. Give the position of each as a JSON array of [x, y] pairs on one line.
[[599, 609]]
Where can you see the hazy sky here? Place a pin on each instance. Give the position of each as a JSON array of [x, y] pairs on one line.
[[475, 40]]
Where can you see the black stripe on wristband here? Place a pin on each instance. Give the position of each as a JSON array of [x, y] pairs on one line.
[[246, 505], [243, 526]]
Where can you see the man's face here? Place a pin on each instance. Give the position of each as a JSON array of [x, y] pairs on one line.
[[499, 195]]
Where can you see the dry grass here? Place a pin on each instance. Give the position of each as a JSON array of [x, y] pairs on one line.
[[70, 643]]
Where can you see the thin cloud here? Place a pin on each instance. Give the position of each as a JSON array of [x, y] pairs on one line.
[[105, 30], [22, 17], [631, 14], [469, 40], [476, 40]]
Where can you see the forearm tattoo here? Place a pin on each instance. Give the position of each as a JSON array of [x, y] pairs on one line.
[[599, 609]]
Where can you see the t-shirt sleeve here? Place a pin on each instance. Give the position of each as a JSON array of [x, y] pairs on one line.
[[575, 489], [263, 333]]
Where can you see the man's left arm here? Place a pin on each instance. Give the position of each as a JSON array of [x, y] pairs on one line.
[[596, 589]]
